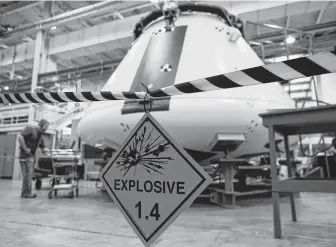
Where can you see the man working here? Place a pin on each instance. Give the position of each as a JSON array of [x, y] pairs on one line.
[[30, 139]]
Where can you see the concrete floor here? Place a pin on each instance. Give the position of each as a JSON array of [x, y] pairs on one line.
[[92, 219]]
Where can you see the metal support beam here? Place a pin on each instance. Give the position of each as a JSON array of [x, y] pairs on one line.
[[322, 27], [286, 32], [86, 71], [275, 194], [102, 41], [77, 14], [12, 73], [265, 11], [16, 7], [119, 15], [262, 48], [290, 173], [39, 44], [274, 26], [318, 19], [320, 14], [107, 36], [68, 7], [320, 44], [102, 38]]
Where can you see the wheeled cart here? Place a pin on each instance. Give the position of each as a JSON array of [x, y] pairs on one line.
[[65, 175]]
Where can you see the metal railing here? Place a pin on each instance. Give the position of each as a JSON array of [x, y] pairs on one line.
[[13, 120]]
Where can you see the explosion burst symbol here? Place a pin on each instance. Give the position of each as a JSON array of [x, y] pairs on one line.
[[144, 151]]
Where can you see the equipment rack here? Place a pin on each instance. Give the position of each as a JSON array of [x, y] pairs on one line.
[[65, 175]]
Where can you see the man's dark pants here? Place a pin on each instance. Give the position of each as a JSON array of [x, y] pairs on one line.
[[27, 167]]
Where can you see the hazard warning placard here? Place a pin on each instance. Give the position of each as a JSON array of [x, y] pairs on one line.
[[152, 180]]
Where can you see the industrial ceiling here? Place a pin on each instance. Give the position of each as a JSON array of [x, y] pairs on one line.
[[87, 39]]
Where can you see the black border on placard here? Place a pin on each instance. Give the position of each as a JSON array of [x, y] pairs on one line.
[[178, 207]]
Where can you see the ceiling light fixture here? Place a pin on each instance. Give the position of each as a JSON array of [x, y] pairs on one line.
[[274, 26], [290, 39]]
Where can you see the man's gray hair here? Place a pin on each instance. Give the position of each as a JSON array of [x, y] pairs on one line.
[[42, 122]]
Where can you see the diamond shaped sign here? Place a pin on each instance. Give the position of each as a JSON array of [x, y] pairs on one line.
[[152, 180]]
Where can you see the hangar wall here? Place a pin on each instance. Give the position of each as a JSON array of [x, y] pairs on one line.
[[327, 88]]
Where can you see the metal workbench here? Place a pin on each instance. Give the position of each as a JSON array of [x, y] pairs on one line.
[[290, 123]]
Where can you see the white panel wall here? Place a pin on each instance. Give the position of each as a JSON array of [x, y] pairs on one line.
[[327, 88]]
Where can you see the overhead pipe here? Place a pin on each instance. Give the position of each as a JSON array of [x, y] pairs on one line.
[[65, 71], [16, 7], [279, 35], [89, 75], [80, 68], [104, 75], [27, 83], [25, 87], [128, 9], [318, 42], [321, 44], [81, 13], [274, 26], [62, 18], [301, 50]]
